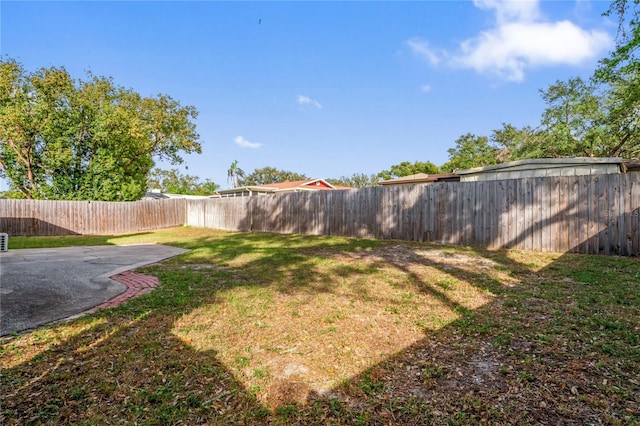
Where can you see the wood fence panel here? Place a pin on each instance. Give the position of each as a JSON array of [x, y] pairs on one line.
[[334, 212], [634, 213], [490, 214], [613, 213], [337, 201], [464, 214], [592, 212], [572, 220], [583, 214], [50, 218], [527, 228], [430, 214], [301, 203], [393, 221], [499, 238], [562, 230], [624, 215], [437, 209], [603, 215], [406, 207], [625, 222], [328, 213], [450, 208], [539, 218], [352, 211], [312, 213], [586, 214]]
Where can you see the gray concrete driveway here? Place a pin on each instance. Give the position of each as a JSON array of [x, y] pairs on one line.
[[38, 286]]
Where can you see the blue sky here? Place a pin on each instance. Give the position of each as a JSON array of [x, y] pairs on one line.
[[322, 88]]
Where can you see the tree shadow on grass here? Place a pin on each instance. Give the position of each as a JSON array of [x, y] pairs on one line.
[[123, 366], [558, 346], [515, 359], [127, 365]]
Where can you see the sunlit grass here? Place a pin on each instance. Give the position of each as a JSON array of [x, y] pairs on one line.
[[26, 347], [325, 329], [289, 329]]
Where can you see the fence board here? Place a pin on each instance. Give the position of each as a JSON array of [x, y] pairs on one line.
[[540, 213], [634, 213], [583, 214], [614, 207]]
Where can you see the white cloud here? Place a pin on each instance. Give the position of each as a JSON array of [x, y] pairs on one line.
[[512, 10], [305, 100], [243, 143], [425, 88], [520, 39], [422, 49]]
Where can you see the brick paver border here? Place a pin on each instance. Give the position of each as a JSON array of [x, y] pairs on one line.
[[137, 284]]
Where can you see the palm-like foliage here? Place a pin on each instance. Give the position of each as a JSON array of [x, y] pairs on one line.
[[235, 174]]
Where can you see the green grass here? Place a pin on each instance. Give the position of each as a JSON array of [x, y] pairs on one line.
[[367, 332]]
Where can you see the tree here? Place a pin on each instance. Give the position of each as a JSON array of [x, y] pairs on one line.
[[623, 116], [356, 180], [235, 174], [471, 151], [594, 119], [267, 175], [516, 144], [69, 139], [406, 168], [174, 182], [624, 58], [573, 121], [620, 72]]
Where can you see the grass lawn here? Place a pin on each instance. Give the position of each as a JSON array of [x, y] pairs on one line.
[[252, 328]]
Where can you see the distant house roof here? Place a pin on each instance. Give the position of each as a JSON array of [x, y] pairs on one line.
[[273, 188], [306, 184], [421, 178]]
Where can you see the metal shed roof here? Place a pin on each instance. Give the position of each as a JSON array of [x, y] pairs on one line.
[[536, 163]]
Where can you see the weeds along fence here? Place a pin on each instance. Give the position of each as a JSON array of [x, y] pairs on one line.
[[44, 217], [586, 214]]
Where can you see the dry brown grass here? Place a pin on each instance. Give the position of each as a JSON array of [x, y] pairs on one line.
[[353, 311]]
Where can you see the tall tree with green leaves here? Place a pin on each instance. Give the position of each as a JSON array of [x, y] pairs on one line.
[[267, 175], [407, 168], [572, 123], [356, 180], [174, 182], [471, 151], [620, 72], [235, 174], [512, 143], [69, 139]]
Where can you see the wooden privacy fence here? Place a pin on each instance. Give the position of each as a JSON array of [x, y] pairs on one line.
[[585, 214], [43, 217]]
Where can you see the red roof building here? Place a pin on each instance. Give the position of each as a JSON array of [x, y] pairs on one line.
[[278, 188]]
